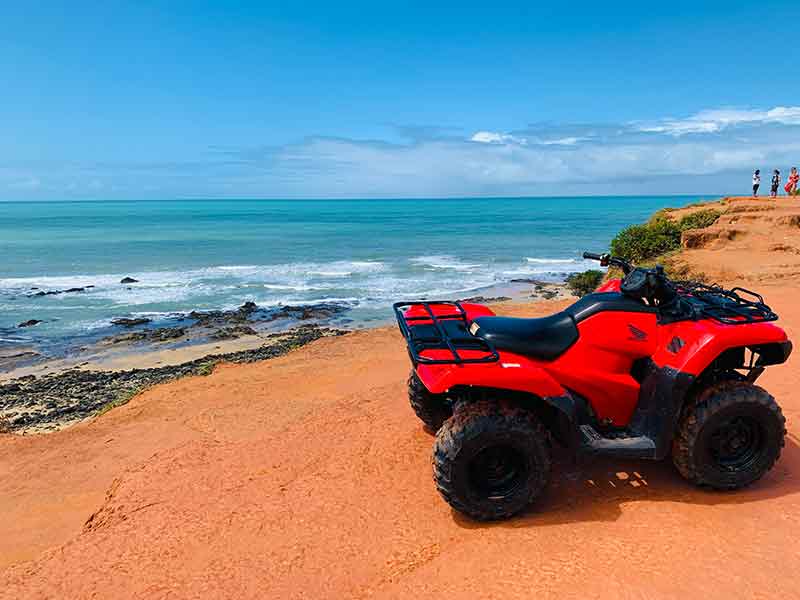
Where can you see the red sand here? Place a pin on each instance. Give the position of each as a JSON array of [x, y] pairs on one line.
[[308, 476]]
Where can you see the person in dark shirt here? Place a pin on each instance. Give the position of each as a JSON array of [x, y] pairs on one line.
[[776, 183]]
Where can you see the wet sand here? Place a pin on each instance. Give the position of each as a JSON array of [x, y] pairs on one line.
[[308, 476]]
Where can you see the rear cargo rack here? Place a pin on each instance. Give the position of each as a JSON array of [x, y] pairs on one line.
[[736, 306], [447, 331]]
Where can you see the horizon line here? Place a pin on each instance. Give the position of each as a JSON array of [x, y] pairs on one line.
[[359, 198]]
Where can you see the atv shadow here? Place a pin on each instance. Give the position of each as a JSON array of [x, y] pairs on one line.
[[597, 489]]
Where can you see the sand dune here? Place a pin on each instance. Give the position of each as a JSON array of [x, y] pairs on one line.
[[308, 476]]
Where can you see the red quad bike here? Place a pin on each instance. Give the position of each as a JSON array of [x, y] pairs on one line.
[[641, 368]]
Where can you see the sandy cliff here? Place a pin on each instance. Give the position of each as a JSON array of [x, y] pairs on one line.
[[754, 240], [307, 476]]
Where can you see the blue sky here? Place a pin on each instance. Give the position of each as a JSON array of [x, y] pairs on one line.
[[375, 99]]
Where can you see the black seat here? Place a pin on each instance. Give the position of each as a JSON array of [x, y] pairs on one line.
[[549, 337], [546, 338]]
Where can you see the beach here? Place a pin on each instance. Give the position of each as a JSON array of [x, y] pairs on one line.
[[308, 476]]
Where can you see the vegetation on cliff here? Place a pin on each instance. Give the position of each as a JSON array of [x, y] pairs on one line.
[[656, 241], [584, 283], [660, 235]]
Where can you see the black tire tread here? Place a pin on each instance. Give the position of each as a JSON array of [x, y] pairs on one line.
[[431, 409], [469, 420], [709, 402]]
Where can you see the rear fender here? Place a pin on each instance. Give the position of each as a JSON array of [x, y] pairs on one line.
[[511, 372], [537, 390]]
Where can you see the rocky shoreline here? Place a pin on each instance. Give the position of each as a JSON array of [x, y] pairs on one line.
[[34, 404], [50, 394], [136, 334]]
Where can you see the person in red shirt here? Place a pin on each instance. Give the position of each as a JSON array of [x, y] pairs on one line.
[[791, 182]]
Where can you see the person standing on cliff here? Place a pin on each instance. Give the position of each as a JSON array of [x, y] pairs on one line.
[[756, 181], [776, 183], [791, 182]]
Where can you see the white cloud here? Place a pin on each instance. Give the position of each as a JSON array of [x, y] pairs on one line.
[[726, 145], [713, 121], [452, 168], [566, 141], [492, 137]]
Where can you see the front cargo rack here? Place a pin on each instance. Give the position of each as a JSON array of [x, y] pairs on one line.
[[736, 306], [446, 334]]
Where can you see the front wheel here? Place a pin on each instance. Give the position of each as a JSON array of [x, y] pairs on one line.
[[490, 461], [730, 438]]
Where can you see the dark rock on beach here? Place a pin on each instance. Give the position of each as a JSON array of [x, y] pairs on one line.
[[52, 401], [307, 312], [126, 322], [485, 300], [29, 323], [248, 307], [129, 280], [162, 334], [221, 317], [251, 312], [220, 324], [231, 333], [536, 282], [56, 292]]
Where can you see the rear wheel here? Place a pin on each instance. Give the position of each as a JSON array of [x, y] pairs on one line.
[[490, 461], [432, 409], [730, 437]]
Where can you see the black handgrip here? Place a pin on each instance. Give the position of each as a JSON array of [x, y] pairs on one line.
[[592, 256]]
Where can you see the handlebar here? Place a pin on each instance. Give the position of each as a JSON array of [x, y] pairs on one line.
[[608, 260], [650, 284]]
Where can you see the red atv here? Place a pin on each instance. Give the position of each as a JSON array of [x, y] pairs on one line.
[[641, 368]]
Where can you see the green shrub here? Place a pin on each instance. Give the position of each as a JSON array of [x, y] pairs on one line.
[[661, 214], [584, 283], [639, 243], [700, 219]]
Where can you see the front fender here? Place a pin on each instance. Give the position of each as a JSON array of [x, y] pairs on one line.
[[691, 346]]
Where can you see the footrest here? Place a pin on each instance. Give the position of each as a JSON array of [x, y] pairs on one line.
[[639, 446]]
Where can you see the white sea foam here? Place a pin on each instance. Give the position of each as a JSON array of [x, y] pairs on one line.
[[291, 288], [331, 273], [176, 278], [551, 261], [15, 339], [444, 262], [237, 267], [96, 324], [367, 286], [157, 314]]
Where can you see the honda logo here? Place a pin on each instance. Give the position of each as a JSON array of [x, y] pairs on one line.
[[637, 334]]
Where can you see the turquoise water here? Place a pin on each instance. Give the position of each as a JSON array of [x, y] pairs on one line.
[[217, 254]]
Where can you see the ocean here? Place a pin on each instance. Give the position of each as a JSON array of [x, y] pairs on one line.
[[200, 255]]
